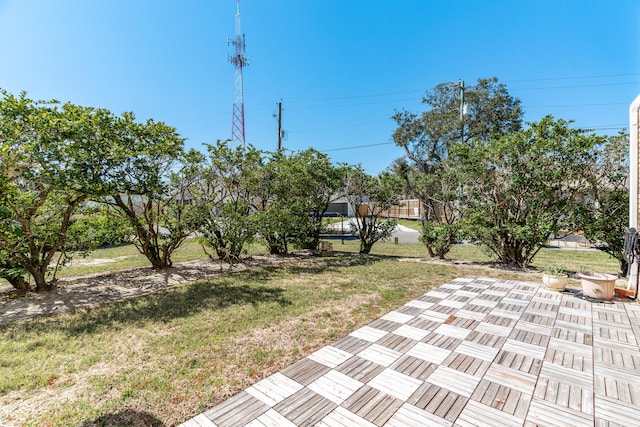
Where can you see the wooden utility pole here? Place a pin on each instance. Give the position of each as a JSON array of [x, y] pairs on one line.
[[279, 125]]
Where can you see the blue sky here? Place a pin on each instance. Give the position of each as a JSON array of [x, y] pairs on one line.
[[341, 67]]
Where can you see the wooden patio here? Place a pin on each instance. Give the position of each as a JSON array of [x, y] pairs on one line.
[[474, 352]]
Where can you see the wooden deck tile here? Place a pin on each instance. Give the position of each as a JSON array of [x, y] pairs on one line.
[[305, 371], [341, 417], [411, 332], [271, 418], [198, 421], [398, 317], [368, 333], [330, 356], [414, 367], [335, 386], [274, 389], [373, 405], [351, 344], [548, 414], [479, 351], [513, 378], [467, 364], [360, 369], [471, 314], [380, 354], [397, 342], [384, 325], [304, 408], [476, 414], [524, 348], [395, 384], [422, 305], [615, 411], [238, 410], [429, 353], [452, 380], [409, 415]]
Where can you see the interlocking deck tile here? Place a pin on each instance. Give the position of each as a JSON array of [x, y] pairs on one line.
[[453, 380], [373, 405], [380, 354], [395, 384], [513, 378], [411, 332], [330, 356], [478, 351], [360, 369], [305, 408], [274, 389], [409, 415], [341, 417], [198, 421], [423, 305], [476, 414], [397, 317], [368, 333], [520, 347], [429, 353], [305, 371], [271, 418], [548, 414], [335, 386]]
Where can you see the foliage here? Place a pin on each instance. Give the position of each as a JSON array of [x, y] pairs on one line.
[[603, 215], [429, 173], [370, 197], [304, 184], [523, 186], [227, 196], [52, 158], [149, 186], [94, 226]]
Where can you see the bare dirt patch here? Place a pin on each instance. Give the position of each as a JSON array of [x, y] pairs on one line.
[[81, 292]]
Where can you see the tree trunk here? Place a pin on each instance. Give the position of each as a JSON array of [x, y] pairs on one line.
[[19, 284], [39, 277]]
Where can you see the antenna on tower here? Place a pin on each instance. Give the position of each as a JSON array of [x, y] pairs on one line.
[[239, 60]]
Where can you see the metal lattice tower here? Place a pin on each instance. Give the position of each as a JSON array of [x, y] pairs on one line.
[[239, 60]]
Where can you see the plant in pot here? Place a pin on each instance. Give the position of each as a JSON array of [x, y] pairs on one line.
[[555, 278], [598, 285]]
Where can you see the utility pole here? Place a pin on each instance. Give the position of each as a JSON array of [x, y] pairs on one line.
[[279, 125], [461, 111]]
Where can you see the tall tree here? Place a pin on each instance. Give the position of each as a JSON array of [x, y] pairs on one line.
[[523, 186], [52, 158], [369, 197], [149, 185], [603, 214], [228, 196], [428, 139]]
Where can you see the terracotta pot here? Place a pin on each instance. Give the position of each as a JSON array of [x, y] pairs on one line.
[[598, 285], [554, 283]]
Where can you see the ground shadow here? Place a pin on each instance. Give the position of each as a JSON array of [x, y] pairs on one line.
[[128, 418]]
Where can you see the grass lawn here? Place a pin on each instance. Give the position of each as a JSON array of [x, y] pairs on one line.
[[163, 358]]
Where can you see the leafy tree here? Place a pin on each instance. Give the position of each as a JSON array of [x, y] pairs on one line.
[[149, 184], [370, 197], [52, 158], [303, 185], [523, 186], [428, 139], [603, 214], [228, 197]]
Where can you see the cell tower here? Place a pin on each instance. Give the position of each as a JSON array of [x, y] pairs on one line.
[[239, 60]]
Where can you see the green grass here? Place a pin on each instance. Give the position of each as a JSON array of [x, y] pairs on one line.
[[165, 357]]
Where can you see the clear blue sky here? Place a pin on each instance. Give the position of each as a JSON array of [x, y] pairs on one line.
[[341, 67]]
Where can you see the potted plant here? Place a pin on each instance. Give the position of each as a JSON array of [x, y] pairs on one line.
[[555, 278], [598, 285]]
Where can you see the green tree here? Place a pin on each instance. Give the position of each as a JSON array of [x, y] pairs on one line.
[[370, 197], [303, 186], [603, 214], [149, 184], [523, 186], [52, 158], [429, 173], [228, 197]]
